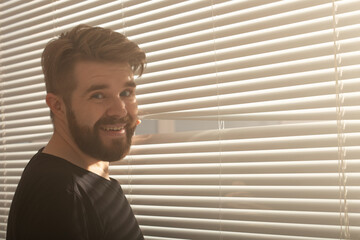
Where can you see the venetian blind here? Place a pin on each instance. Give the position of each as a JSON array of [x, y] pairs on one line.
[[250, 113]]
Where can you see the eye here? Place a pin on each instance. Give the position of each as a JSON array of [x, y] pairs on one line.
[[97, 96], [126, 93]]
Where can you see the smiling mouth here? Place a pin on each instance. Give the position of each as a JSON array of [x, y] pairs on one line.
[[113, 130], [116, 129]]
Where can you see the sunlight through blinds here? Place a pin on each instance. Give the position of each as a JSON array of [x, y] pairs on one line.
[[250, 113]]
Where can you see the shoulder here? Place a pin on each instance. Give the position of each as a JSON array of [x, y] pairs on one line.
[[47, 172], [47, 182], [47, 200], [51, 180]]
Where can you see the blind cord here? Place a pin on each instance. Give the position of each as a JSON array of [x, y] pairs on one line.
[[221, 123], [2, 127], [344, 217]]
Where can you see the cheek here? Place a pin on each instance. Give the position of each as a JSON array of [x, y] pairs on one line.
[[87, 115], [132, 108]]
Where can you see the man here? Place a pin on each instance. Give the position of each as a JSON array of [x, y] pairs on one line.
[[65, 191]]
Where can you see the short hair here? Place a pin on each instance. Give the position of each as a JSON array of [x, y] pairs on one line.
[[86, 43]]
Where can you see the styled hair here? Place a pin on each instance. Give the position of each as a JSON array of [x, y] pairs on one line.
[[86, 43]]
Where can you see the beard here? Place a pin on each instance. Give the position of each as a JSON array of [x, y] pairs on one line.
[[89, 142]]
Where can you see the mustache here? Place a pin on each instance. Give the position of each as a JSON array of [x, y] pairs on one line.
[[115, 120]]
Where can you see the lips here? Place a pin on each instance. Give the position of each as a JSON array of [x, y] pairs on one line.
[[113, 131], [112, 128]]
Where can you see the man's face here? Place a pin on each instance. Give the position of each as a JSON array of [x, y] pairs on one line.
[[103, 112]]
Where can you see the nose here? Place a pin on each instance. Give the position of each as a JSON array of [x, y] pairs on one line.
[[117, 108]]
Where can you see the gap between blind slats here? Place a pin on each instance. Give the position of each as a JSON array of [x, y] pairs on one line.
[[258, 191], [248, 144], [30, 16], [239, 43], [12, 172], [64, 7], [274, 203], [228, 179], [214, 235], [246, 214], [27, 64], [307, 179], [277, 155], [26, 56], [4, 210], [294, 115], [26, 122], [290, 18], [318, 114], [232, 90], [245, 32], [20, 7], [263, 54], [27, 114], [314, 217], [310, 166], [252, 15], [24, 106], [205, 106], [21, 74], [23, 89], [12, 43], [281, 192], [33, 46], [53, 9], [212, 146], [36, 41], [26, 138], [206, 36], [309, 230], [13, 164], [15, 150], [8, 180], [170, 13], [329, 40], [25, 131], [312, 106], [163, 238], [315, 81], [64, 21], [272, 130], [44, 125], [247, 81], [21, 82], [181, 10], [255, 70], [9, 4]]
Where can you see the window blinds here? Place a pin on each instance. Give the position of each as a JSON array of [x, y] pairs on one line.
[[255, 105]]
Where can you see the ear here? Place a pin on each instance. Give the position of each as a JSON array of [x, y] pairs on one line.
[[56, 105]]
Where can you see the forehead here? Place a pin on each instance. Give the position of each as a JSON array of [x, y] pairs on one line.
[[87, 73]]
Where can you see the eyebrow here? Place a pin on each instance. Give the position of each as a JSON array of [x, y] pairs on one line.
[[96, 87], [130, 84]]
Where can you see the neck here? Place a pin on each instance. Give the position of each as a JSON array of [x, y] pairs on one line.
[[65, 148]]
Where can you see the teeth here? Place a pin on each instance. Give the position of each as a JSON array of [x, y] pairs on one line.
[[113, 129]]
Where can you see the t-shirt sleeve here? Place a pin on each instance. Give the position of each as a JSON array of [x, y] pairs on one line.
[[56, 217], [52, 210]]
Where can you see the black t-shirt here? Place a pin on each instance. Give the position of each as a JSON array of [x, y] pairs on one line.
[[58, 200]]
